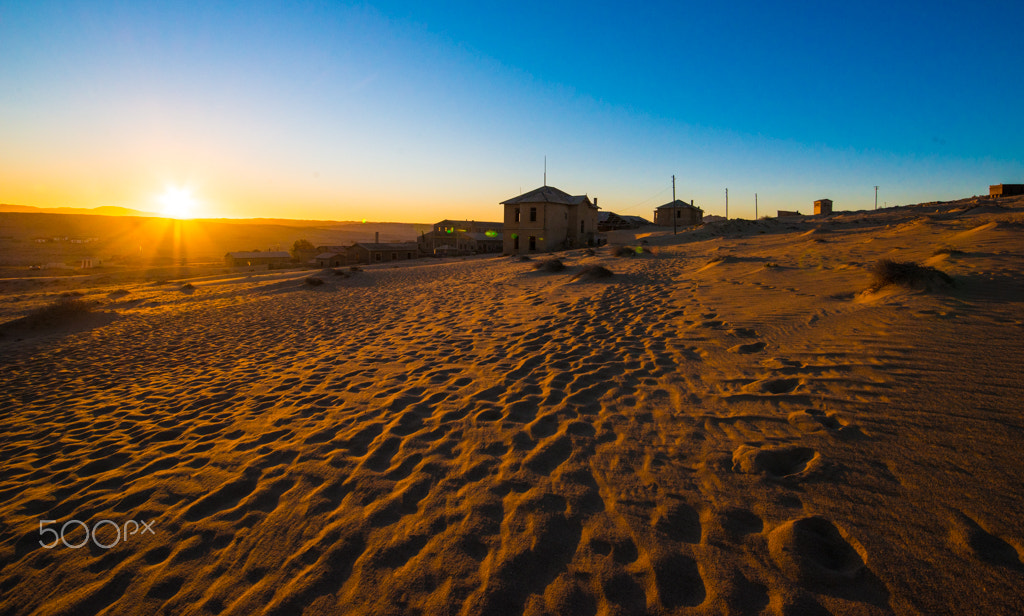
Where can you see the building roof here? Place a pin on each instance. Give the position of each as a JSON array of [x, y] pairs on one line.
[[469, 223], [548, 194], [327, 255], [388, 245], [640, 220], [260, 254], [677, 204]]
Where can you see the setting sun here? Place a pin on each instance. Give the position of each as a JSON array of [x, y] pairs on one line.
[[178, 202]]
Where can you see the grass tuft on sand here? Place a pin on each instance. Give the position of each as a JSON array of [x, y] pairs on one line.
[[908, 274], [593, 272], [66, 308], [313, 281], [549, 265]]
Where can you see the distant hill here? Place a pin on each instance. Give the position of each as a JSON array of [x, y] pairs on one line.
[[38, 236], [104, 210]]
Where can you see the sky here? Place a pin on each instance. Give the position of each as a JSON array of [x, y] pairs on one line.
[[421, 111]]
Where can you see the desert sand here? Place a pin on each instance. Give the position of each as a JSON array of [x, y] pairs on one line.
[[734, 422]]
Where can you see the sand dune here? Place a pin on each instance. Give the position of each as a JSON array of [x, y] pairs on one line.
[[729, 424]]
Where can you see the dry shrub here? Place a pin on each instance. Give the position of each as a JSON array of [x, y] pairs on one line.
[[593, 272], [906, 274], [313, 281], [629, 251], [947, 250], [355, 268], [340, 272], [188, 286], [549, 265], [522, 258], [118, 293]]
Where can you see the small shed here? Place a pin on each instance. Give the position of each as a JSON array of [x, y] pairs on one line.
[[258, 257], [823, 206], [374, 252], [678, 213], [1005, 190], [330, 259]]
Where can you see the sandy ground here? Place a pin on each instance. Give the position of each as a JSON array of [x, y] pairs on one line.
[[728, 425]]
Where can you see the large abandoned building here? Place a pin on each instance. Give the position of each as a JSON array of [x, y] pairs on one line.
[[547, 219]]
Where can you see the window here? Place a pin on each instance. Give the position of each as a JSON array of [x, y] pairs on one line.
[[679, 213], [517, 214], [408, 255], [394, 256], [581, 226], [376, 256], [533, 243], [533, 214], [515, 241]]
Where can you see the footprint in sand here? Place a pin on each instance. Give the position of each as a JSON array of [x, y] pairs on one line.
[[813, 552], [746, 349], [969, 538], [778, 462]]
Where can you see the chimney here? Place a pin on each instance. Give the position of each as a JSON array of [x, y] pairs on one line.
[[691, 202], [376, 237], [595, 201]]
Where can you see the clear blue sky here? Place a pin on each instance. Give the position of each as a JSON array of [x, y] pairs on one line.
[[422, 111]]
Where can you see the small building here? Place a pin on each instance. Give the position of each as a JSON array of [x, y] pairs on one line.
[[462, 237], [823, 206], [548, 219], [331, 259], [1005, 190], [678, 213], [269, 258], [381, 252], [787, 214]]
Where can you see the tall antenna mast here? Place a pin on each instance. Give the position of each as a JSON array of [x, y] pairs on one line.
[[545, 169], [727, 204], [675, 213]]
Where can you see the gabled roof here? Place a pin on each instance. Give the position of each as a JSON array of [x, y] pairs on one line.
[[469, 223], [637, 219], [548, 194], [677, 204], [328, 255]]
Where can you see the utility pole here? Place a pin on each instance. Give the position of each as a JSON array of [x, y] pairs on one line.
[[755, 206], [876, 197], [674, 205], [727, 204], [545, 170]]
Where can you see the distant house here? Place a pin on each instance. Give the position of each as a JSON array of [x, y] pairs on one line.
[[678, 213], [1005, 190], [787, 213], [332, 259], [258, 257], [823, 206], [547, 219], [462, 237], [381, 252], [610, 221]]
